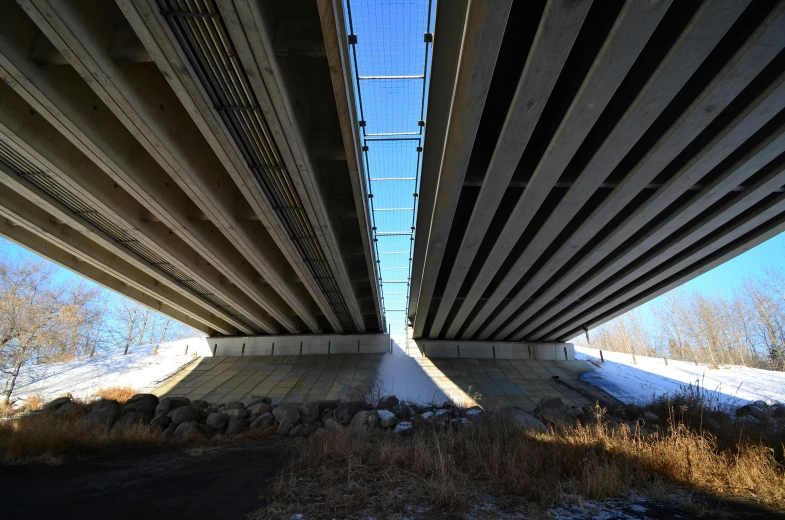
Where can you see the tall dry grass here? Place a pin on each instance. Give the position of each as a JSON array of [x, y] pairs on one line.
[[339, 475], [117, 393]]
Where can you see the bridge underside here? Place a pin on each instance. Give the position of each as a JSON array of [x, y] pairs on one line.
[[200, 157], [582, 158]]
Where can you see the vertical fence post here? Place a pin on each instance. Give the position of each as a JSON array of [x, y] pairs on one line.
[[215, 349], [272, 350], [666, 360], [242, 352]]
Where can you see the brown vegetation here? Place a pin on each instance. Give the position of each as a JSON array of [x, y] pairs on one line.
[[341, 475], [117, 393]]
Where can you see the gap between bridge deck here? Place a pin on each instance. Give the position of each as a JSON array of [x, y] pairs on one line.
[[491, 383]]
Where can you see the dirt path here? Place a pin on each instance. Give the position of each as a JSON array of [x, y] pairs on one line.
[[151, 482]]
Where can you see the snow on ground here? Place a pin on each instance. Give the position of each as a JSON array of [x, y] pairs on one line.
[[142, 369], [629, 382]]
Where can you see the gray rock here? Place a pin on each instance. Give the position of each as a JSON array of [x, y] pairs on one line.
[[387, 419], [235, 426], [206, 431], [460, 424], [250, 400], [751, 410], [234, 405], [200, 404], [428, 416], [186, 430], [328, 404], [346, 412], [287, 424], [522, 419], [310, 429], [550, 403], [184, 414], [104, 416], [651, 417], [575, 411], [217, 421], [102, 403], [54, 404], [388, 402], [403, 411], [287, 411], [142, 403], [364, 421], [475, 413], [309, 413], [167, 404], [333, 424], [71, 411], [264, 421], [240, 413], [778, 412], [404, 429], [749, 420], [161, 420], [168, 433], [259, 408], [557, 418], [760, 403], [320, 432], [297, 431], [133, 418]]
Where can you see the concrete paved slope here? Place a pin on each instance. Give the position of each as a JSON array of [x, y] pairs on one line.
[[200, 157], [611, 152]]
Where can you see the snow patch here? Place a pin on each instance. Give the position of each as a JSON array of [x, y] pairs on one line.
[[637, 383], [385, 414]]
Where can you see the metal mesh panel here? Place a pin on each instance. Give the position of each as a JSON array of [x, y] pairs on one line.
[[390, 50], [201, 32], [79, 208]]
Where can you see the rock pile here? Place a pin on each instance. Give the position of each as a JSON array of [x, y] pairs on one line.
[[179, 418]]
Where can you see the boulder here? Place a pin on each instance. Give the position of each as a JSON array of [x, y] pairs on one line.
[[310, 429], [751, 410], [240, 413], [184, 414], [206, 431], [54, 404], [217, 421], [475, 413], [250, 400], [201, 404], [328, 404], [71, 410], [403, 411], [186, 430], [388, 402], [167, 404], [264, 421], [320, 432], [460, 424], [428, 416], [161, 420], [287, 416], [778, 412], [333, 424], [142, 403], [523, 419], [103, 403], [236, 425], [346, 411], [387, 419], [309, 413], [104, 416], [760, 403], [364, 421], [168, 433], [557, 418], [297, 431], [259, 408], [749, 421], [550, 403], [133, 418], [234, 405], [404, 429], [651, 417]]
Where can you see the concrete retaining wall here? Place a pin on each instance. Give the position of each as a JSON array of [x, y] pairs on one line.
[[321, 344], [496, 350]]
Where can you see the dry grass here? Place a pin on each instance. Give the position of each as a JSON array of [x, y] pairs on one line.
[[49, 439], [117, 393], [340, 475]]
